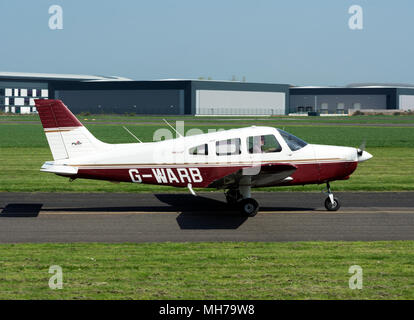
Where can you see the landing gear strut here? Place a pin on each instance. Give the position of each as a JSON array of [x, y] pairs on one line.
[[331, 203], [233, 196]]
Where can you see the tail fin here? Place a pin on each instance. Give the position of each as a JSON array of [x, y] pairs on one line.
[[67, 137]]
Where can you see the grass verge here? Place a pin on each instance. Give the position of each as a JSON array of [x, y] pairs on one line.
[[297, 270]]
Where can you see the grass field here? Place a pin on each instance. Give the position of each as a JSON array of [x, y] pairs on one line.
[[23, 149], [302, 270], [32, 135], [19, 171]]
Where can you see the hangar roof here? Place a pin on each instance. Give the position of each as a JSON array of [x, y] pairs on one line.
[[361, 85], [380, 85], [56, 76]]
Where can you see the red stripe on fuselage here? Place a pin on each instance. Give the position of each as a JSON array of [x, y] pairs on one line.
[[310, 173], [336, 171], [178, 177]]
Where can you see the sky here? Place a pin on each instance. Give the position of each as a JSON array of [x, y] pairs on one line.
[[296, 42]]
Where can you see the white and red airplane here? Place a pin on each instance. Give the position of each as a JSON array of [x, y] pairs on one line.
[[234, 160]]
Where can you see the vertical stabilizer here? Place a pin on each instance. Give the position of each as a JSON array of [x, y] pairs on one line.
[[66, 135]]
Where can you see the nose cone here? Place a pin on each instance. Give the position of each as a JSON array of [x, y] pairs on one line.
[[363, 156]]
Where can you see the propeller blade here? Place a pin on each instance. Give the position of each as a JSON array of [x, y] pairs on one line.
[[362, 147]]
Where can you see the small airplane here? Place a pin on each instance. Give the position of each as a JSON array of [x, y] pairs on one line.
[[234, 160]]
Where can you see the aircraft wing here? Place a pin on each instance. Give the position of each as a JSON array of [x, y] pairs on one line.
[[263, 175]]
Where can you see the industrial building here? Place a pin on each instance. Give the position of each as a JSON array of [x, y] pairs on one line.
[[120, 95], [18, 90], [339, 100], [104, 94]]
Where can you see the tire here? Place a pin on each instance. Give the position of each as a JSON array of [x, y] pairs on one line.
[[248, 207], [332, 207]]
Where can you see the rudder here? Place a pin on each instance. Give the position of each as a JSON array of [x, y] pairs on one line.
[[66, 135]]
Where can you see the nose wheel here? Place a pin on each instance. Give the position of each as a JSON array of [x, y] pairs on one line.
[[331, 203], [332, 206]]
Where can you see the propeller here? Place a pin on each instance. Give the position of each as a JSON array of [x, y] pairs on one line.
[[362, 154], [361, 148]]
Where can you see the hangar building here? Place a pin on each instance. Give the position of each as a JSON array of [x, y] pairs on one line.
[[18, 90], [106, 94], [183, 97], [338, 100], [98, 94]]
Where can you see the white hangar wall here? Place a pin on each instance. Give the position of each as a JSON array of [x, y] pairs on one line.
[[407, 102], [229, 102]]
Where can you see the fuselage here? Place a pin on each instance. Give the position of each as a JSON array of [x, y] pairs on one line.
[[201, 160]]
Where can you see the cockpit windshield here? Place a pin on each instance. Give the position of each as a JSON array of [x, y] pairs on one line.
[[293, 142]]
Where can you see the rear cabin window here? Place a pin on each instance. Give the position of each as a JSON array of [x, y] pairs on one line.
[[263, 144], [201, 150], [228, 147]]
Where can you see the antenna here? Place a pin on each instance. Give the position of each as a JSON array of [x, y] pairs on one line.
[[132, 134], [172, 128]]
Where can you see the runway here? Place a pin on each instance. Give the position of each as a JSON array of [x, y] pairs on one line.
[[284, 216]]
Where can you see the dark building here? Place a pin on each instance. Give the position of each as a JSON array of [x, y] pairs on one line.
[[18, 90], [104, 94], [97, 94], [338, 100], [184, 97]]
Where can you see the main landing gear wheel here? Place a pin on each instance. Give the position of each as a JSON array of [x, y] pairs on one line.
[[249, 207], [332, 206]]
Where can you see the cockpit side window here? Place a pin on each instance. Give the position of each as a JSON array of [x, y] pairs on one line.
[[263, 144], [293, 142], [228, 147], [201, 150]]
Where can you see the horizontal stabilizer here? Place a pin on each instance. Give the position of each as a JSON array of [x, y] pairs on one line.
[[59, 169]]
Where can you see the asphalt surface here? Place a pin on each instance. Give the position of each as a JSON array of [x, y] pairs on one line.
[[284, 216], [224, 122]]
